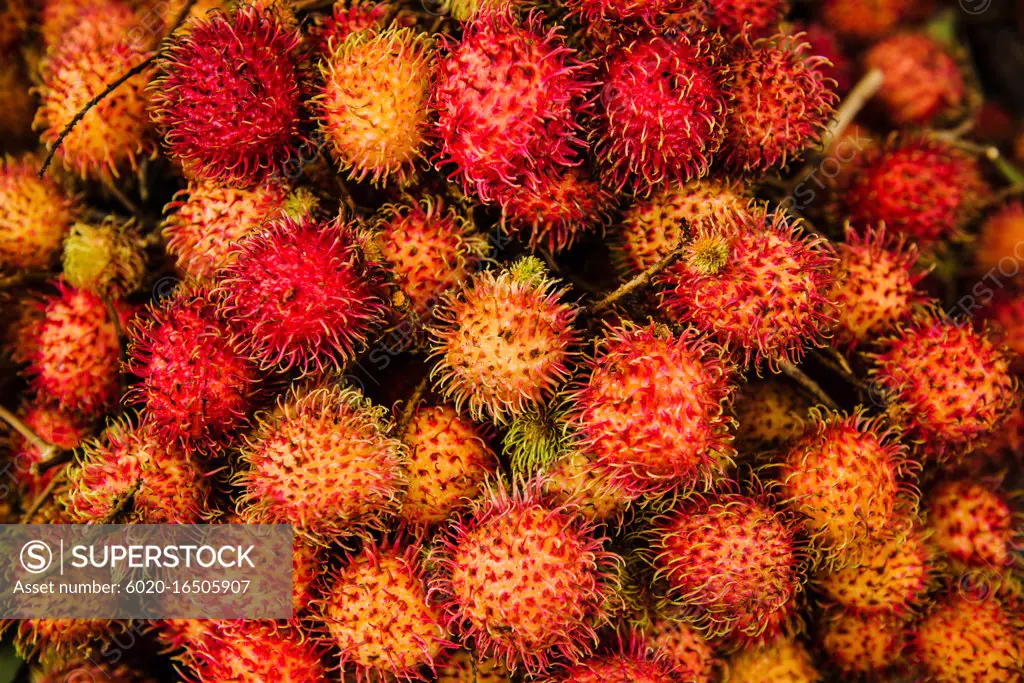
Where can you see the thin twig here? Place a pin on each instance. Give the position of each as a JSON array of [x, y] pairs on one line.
[[43, 495], [129, 206], [44, 446], [866, 88], [807, 384], [119, 333], [123, 502], [838, 364], [134, 71], [640, 280], [56, 460], [582, 284]]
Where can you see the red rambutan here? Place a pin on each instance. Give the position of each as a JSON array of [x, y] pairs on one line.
[[449, 460], [635, 662], [194, 386], [868, 20], [781, 103], [919, 187], [823, 42], [76, 363], [301, 294], [663, 112], [692, 657], [1005, 317], [678, 386], [507, 97], [227, 97], [654, 226], [504, 344], [375, 610], [523, 580], [92, 54], [948, 385], [576, 480], [759, 284], [35, 214], [323, 461], [346, 17], [84, 670], [374, 102], [973, 524], [731, 563], [204, 223], [923, 82], [756, 18], [1000, 244], [254, 652], [64, 430]]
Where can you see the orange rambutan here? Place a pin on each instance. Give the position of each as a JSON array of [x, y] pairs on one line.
[[35, 215]]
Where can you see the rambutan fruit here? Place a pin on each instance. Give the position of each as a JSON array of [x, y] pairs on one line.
[[868, 20], [923, 82], [204, 223], [302, 295], [964, 640], [376, 612], [428, 248], [781, 104], [374, 103], [822, 41], [20, 108], [194, 386], [116, 131], [784, 661], [57, 17], [35, 214], [756, 18], [504, 343], [255, 652], [465, 667], [731, 563], [946, 384], [58, 428], [227, 98], [663, 115], [346, 18], [634, 662], [84, 670], [605, 15], [876, 285], [324, 462], [567, 204], [972, 523], [63, 638], [760, 285], [15, 17], [860, 645], [523, 580], [507, 97], [575, 479], [21, 315], [919, 187], [105, 259], [850, 481], [76, 363], [681, 386], [891, 576], [1000, 240], [690, 654], [654, 226], [1005, 319], [448, 462], [130, 461], [769, 413]]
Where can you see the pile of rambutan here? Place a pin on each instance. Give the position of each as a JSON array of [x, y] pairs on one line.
[[601, 341]]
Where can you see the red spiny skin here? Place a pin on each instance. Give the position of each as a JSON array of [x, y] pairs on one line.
[[732, 563], [1005, 315], [62, 429], [973, 524], [345, 19], [375, 610], [608, 13], [947, 384], [85, 669], [566, 204], [692, 656], [662, 115], [876, 285], [781, 103], [524, 581], [301, 294], [651, 411], [635, 663], [165, 485], [507, 98], [195, 387], [757, 18], [923, 82], [255, 652], [77, 355], [869, 20], [227, 97], [823, 42], [919, 187], [323, 461], [758, 284]]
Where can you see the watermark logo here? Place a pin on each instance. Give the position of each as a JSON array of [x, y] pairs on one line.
[[975, 6], [36, 557]]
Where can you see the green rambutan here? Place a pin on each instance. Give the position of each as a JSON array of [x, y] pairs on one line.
[[448, 462], [678, 386], [376, 612], [35, 214], [525, 582], [324, 461], [505, 342], [373, 106], [204, 222], [105, 259]]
